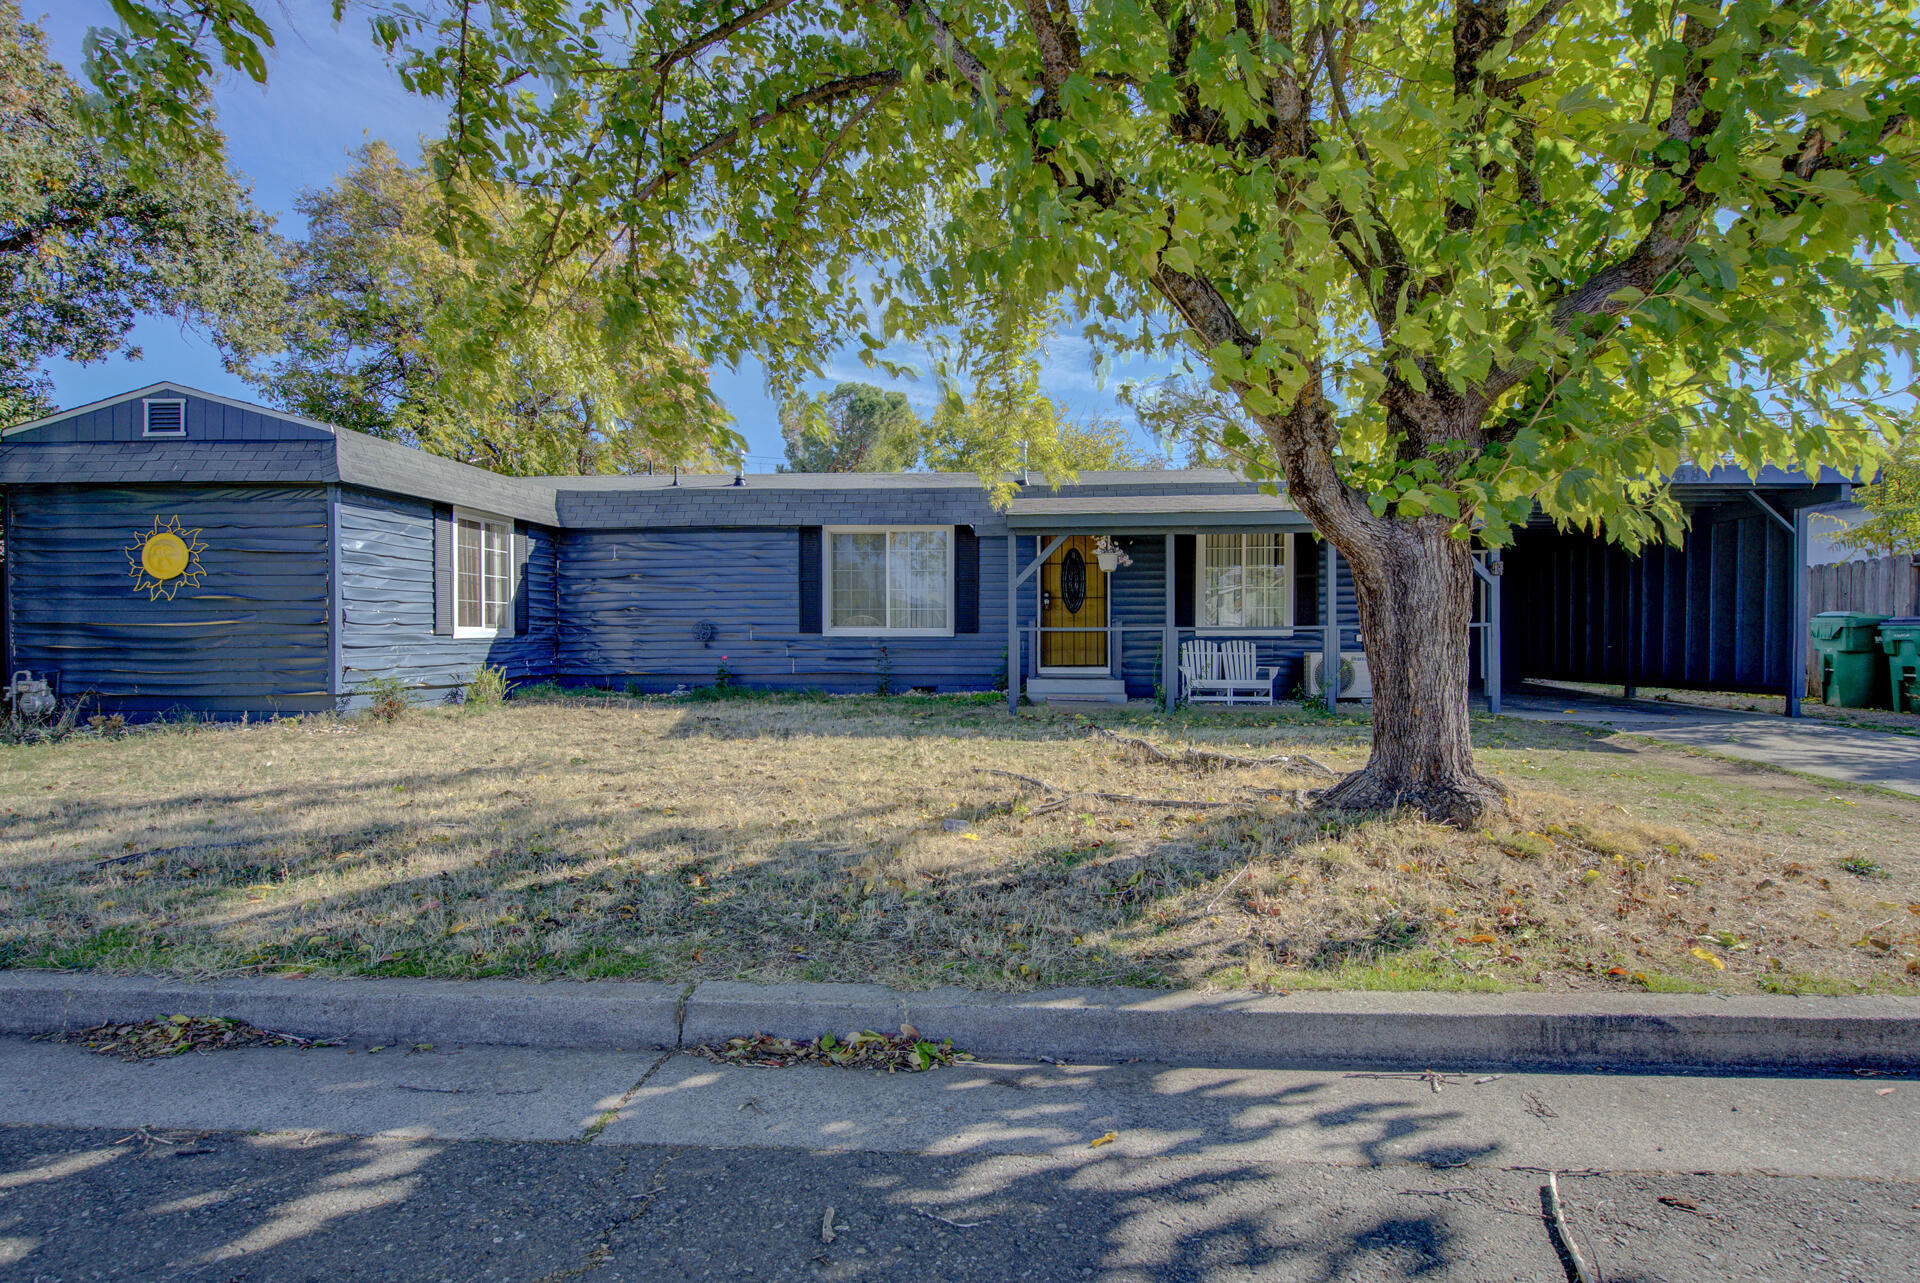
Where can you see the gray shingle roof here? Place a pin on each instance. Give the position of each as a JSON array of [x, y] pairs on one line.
[[1123, 511], [244, 443]]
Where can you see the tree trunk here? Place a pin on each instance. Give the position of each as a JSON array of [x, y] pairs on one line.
[[1414, 582]]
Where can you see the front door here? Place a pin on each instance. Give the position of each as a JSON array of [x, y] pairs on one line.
[[1073, 594]]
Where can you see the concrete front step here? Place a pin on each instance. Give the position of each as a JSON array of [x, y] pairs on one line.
[[1077, 690]]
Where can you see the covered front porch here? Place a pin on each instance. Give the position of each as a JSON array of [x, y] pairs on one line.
[[1104, 589]]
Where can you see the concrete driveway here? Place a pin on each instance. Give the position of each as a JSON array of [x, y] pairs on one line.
[[1811, 747]]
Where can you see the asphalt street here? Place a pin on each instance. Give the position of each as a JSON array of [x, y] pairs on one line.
[[493, 1163]]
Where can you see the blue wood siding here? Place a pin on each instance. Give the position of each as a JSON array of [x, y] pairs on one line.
[[252, 637], [206, 421], [386, 590], [1139, 602], [632, 602], [1710, 614]]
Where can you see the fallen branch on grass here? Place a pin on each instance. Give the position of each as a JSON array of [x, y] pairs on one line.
[[1205, 759], [1061, 797]]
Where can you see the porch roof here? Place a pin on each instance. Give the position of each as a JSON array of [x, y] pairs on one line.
[[1155, 513]]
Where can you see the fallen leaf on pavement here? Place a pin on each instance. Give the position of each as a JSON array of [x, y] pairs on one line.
[[1108, 1139], [172, 1035], [865, 1050]]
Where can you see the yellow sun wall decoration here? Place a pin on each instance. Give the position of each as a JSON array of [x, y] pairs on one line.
[[165, 559]]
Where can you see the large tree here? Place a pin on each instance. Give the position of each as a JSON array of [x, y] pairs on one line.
[[89, 243], [1453, 261], [387, 331], [857, 427], [994, 419]]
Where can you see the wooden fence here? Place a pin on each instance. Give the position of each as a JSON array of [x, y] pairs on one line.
[[1884, 586]]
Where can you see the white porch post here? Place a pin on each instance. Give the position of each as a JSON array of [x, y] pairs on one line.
[[1330, 640], [1170, 645], [1013, 624], [1492, 651], [1799, 618]]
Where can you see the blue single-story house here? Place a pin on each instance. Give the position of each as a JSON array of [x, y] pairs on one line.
[[172, 550]]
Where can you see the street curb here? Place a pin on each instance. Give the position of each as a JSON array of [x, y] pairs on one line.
[[388, 1012], [1306, 1030]]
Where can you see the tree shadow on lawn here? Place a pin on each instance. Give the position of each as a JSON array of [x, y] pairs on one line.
[[639, 894], [513, 884]]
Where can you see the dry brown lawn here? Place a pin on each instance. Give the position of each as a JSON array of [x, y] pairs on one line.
[[864, 839]]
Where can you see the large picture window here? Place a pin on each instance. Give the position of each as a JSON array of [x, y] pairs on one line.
[[482, 574], [890, 581], [1245, 581]]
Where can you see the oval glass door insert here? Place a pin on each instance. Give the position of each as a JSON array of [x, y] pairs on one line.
[[1073, 581]]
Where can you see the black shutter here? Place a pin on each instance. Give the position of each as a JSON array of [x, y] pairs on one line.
[[809, 579], [966, 580], [443, 571], [1184, 551], [1307, 553], [522, 590]]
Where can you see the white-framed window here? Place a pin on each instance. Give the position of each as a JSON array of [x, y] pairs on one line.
[[1245, 580], [165, 417], [888, 579], [482, 574]]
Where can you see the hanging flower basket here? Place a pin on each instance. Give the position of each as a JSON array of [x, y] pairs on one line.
[[1106, 551]]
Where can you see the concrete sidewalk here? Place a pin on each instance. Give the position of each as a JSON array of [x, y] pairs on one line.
[[1405, 1031], [1809, 746], [1830, 1127]]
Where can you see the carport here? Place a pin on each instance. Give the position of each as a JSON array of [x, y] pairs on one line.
[[1725, 610]]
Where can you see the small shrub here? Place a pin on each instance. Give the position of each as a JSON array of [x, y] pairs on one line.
[[724, 677], [488, 687], [1524, 846], [387, 698], [883, 673], [112, 726], [1864, 866]]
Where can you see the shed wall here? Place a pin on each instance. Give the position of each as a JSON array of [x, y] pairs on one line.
[[1710, 614], [386, 588], [252, 637]]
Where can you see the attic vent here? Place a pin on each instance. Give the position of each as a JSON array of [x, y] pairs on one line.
[[166, 418]]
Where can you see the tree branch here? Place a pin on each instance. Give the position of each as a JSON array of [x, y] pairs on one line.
[[833, 90], [964, 61], [1536, 24], [701, 43]]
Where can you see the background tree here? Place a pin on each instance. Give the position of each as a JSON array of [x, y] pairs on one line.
[[857, 427], [1892, 501], [87, 245], [389, 332], [1191, 420], [1453, 262]]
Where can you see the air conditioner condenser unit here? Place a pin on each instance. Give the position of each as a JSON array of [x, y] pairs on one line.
[[1356, 682]]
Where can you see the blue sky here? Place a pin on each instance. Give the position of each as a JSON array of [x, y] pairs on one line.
[[328, 91]]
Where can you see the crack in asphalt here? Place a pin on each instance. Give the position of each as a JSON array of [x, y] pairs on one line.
[[602, 1250]]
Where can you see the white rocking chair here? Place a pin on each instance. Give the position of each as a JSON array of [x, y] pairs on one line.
[[1225, 673]]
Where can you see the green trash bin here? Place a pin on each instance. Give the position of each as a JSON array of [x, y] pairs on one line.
[[1900, 638], [1853, 672]]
